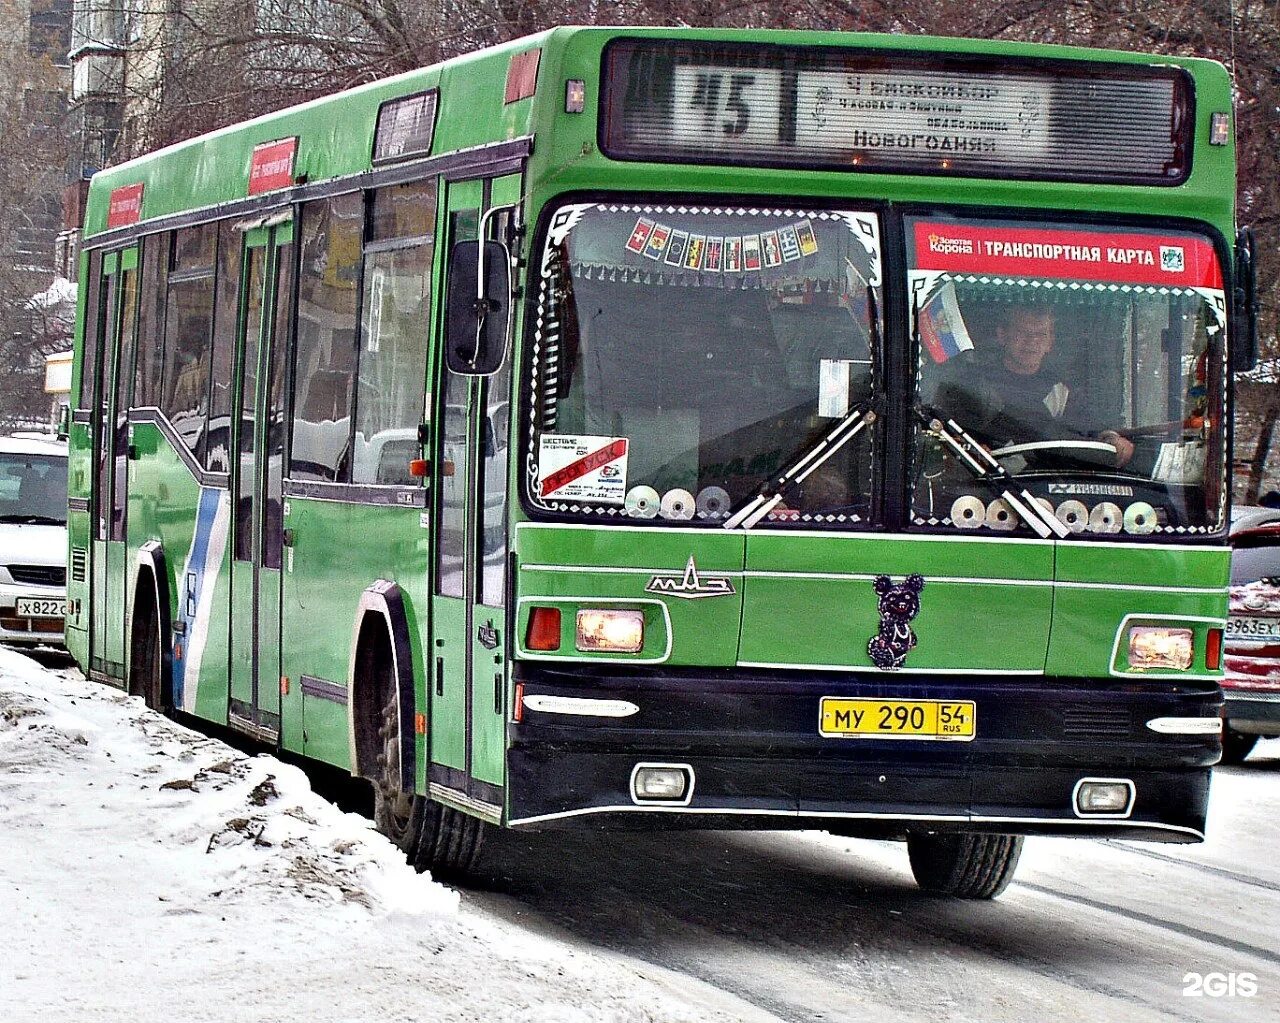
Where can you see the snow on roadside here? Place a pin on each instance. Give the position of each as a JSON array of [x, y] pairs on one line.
[[148, 872]]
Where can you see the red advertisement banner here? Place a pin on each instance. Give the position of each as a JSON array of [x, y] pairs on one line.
[[272, 166], [1173, 260], [125, 205]]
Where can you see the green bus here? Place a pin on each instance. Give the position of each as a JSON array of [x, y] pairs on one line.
[[660, 428]]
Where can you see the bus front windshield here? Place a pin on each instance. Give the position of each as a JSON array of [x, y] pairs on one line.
[[684, 356], [1088, 362]]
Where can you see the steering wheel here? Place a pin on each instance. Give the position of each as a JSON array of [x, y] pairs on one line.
[[1056, 445]]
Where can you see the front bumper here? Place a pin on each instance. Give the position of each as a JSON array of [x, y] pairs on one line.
[[751, 743], [16, 630]]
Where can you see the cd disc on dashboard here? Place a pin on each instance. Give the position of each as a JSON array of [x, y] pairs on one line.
[[1000, 515], [1074, 515], [713, 503], [968, 512], [678, 504], [641, 503], [1140, 518], [1105, 518]]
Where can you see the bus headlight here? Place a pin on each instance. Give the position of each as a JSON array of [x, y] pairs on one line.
[[614, 631], [1159, 647]]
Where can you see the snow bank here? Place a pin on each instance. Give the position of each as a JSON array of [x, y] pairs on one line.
[[148, 872]]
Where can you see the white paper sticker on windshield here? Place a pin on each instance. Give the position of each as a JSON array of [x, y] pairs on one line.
[[833, 387], [1180, 463], [576, 468]]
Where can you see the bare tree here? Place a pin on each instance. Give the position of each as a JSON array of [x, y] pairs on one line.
[[33, 158]]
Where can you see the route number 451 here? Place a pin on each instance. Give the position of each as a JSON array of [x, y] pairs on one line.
[[1219, 985]]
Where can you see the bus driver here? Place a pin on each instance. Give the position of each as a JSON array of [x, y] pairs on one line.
[[1017, 395]]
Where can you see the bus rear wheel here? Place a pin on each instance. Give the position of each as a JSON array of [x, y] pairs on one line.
[[432, 837], [964, 866]]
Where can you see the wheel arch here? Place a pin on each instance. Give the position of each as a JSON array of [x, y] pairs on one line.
[[151, 568], [381, 627]]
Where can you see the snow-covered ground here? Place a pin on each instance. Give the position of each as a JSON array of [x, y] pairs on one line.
[[151, 873]]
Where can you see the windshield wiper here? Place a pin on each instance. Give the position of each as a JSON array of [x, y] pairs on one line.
[[860, 416], [984, 466], [33, 520], [775, 488]]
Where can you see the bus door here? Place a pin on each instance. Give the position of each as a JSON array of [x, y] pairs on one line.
[[257, 519], [118, 329], [469, 642]]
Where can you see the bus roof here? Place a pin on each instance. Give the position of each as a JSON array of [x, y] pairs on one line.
[[335, 133]]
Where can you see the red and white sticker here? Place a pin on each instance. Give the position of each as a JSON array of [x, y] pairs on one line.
[[575, 468], [1170, 260]]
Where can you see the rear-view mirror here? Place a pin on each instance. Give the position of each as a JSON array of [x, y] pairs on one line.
[[478, 311], [1244, 307]]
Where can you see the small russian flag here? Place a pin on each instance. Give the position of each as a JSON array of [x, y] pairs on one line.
[[942, 329]]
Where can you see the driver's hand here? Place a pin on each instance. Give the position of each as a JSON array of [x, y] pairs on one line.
[[1123, 445]]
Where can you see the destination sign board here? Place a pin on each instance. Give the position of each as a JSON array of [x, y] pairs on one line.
[[829, 108]]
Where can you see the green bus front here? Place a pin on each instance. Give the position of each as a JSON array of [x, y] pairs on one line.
[[768, 571]]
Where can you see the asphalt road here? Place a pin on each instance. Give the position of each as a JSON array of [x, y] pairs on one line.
[[805, 926]]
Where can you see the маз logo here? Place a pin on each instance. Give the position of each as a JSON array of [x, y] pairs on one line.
[[690, 585]]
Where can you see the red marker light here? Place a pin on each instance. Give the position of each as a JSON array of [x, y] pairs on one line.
[[1213, 650], [543, 632]]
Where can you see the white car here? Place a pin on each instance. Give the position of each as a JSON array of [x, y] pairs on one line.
[[33, 541]]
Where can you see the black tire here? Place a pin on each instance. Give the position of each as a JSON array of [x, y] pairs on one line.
[[1236, 746], [145, 661], [450, 843], [396, 813], [432, 837], [964, 866]]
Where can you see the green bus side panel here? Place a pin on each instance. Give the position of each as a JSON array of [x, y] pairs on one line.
[[190, 522], [1090, 623], [572, 568], [119, 574], [338, 551], [811, 600], [489, 703], [241, 629], [446, 719]]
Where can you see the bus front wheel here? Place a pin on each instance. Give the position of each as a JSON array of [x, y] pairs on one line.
[[433, 837], [964, 866], [1236, 746]]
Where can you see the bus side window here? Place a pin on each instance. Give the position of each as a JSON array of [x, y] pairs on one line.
[[150, 359], [225, 311], [324, 371], [188, 331], [394, 318], [92, 332]]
